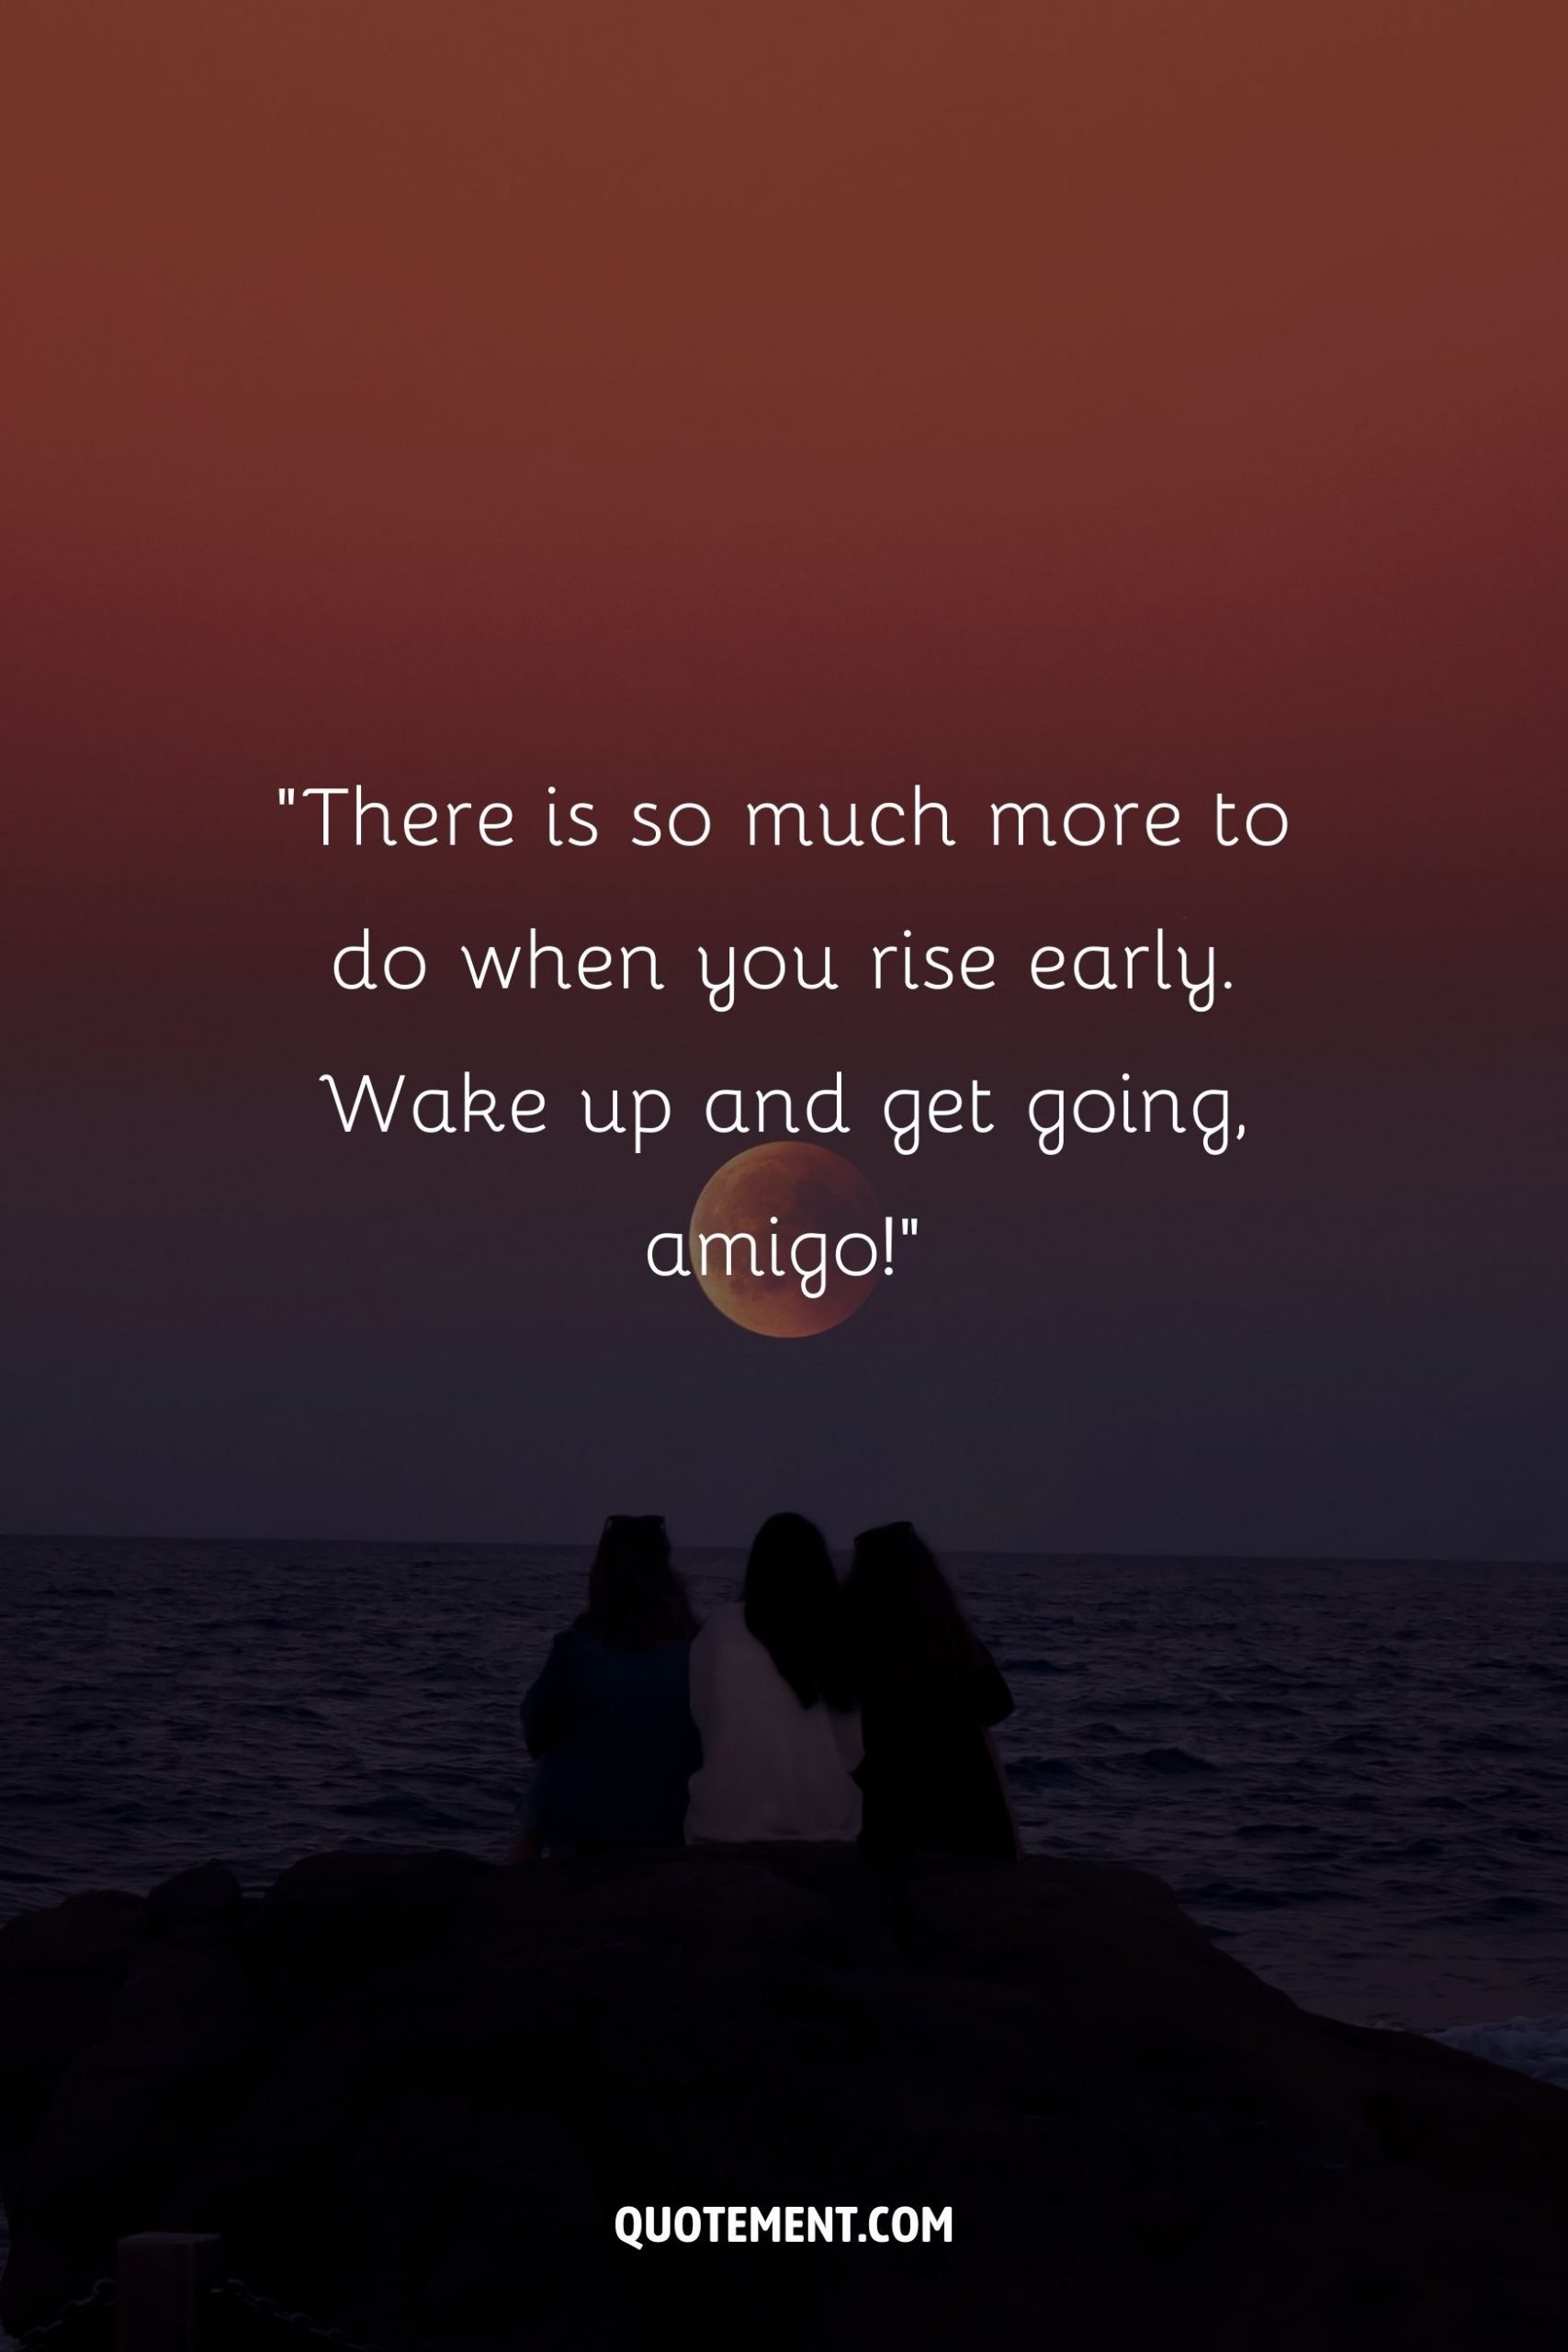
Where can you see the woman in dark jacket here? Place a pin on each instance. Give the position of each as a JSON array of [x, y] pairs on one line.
[[610, 1716], [930, 1693]]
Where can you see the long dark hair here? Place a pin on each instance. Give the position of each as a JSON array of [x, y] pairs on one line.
[[909, 1640], [635, 1600], [792, 1607]]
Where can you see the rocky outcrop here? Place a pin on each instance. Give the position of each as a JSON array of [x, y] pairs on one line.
[[410, 2091]]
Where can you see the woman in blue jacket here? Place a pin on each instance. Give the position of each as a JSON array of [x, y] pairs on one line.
[[610, 1718]]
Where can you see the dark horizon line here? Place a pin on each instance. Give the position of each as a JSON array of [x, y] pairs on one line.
[[959, 1551]]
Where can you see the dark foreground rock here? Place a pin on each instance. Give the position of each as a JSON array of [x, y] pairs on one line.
[[410, 2092]]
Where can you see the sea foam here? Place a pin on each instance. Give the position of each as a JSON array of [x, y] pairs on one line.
[[1537, 2046]]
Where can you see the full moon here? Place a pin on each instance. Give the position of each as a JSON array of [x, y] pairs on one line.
[[809, 1190]]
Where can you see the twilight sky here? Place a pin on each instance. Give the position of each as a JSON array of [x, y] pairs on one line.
[[1103, 401]]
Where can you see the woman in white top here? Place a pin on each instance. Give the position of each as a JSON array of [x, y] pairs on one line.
[[771, 1695]]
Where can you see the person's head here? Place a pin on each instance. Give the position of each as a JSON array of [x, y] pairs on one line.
[[907, 1630], [635, 1600], [792, 1607]]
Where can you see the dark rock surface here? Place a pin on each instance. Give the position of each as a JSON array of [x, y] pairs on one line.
[[410, 2091]]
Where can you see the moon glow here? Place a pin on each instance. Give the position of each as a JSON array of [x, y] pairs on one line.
[[777, 1193]]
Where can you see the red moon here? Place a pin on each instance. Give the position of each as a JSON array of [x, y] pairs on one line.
[[807, 1190]]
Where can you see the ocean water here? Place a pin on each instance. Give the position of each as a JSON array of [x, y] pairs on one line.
[[1355, 1776]]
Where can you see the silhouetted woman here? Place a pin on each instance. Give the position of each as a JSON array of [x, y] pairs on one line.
[[774, 1701], [610, 1718], [930, 1693]]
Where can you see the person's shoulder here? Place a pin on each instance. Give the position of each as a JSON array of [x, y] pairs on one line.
[[576, 1641], [724, 1633]]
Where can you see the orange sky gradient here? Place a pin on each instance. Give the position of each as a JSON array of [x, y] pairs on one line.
[[1105, 398]]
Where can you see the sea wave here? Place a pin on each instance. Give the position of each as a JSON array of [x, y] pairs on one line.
[[1357, 1776], [1537, 2046]]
